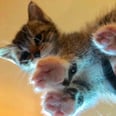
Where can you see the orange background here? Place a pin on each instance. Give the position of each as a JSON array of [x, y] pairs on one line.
[[16, 95]]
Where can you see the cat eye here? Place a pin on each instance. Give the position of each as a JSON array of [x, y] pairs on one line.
[[38, 39], [72, 70]]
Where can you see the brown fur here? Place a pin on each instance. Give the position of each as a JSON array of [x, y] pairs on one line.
[[74, 47]]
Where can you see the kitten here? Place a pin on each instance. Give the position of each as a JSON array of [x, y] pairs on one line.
[[75, 66]]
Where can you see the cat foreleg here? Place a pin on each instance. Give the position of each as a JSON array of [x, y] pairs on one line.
[[69, 101], [50, 72]]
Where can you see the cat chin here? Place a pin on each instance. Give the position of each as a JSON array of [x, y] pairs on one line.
[[27, 68]]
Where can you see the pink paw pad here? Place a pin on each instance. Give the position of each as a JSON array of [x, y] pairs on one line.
[[58, 104], [49, 71], [105, 39]]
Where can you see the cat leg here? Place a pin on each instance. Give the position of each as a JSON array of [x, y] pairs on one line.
[[69, 101], [50, 71], [105, 39]]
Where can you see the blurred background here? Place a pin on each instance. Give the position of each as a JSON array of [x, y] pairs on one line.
[[16, 95]]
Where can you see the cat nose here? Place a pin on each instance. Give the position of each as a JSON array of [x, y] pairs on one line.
[[37, 54]]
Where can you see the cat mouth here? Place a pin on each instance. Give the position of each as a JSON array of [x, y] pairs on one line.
[[24, 62], [28, 65]]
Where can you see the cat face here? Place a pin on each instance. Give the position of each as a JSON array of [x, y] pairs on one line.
[[35, 40]]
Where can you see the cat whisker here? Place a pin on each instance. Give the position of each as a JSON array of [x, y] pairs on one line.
[[22, 76]]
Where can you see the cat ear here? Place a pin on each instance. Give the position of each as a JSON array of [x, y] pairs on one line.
[[7, 53], [36, 13]]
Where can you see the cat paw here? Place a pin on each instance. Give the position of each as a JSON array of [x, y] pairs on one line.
[[105, 39], [58, 104], [50, 71]]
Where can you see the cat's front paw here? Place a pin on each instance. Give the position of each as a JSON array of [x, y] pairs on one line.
[[50, 71], [58, 104], [105, 39]]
